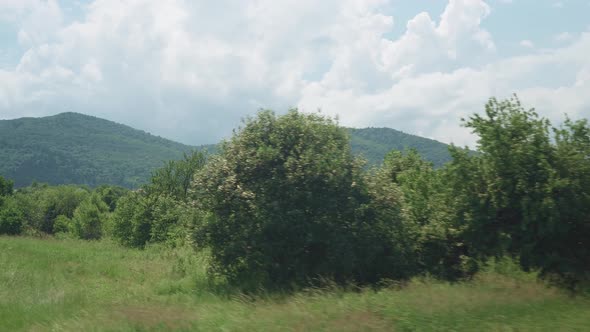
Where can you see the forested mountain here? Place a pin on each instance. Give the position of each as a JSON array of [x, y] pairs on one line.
[[81, 149], [374, 143]]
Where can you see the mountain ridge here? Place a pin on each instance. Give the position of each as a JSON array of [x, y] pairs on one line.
[[72, 147]]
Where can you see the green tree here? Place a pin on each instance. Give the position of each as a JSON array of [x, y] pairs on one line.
[[563, 250], [6, 187], [154, 213], [175, 178], [111, 194], [526, 192], [131, 220], [62, 224], [89, 217], [288, 203], [424, 192], [11, 217]]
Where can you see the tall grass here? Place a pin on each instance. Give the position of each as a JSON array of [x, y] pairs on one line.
[[69, 285]]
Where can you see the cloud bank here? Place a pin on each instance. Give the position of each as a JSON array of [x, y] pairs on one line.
[[190, 70]]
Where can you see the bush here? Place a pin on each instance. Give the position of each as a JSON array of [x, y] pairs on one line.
[[62, 224], [131, 220], [526, 193], [424, 192], [159, 211], [288, 204], [89, 217], [6, 187], [11, 217]]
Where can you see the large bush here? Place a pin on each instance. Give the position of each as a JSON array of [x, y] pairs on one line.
[[437, 237], [131, 220], [159, 211], [526, 193], [89, 218], [41, 204], [11, 217], [6, 187], [289, 204], [141, 218]]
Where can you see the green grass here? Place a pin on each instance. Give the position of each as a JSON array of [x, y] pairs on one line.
[[68, 285]]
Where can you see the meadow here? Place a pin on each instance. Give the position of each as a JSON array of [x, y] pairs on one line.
[[53, 284]]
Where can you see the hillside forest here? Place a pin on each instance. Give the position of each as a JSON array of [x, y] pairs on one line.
[[75, 148], [285, 203]]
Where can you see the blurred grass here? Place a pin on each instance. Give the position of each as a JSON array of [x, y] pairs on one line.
[[70, 285]]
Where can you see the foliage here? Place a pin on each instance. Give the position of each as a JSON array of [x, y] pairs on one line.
[[41, 204], [424, 191], [526, 193], [157, 211], [374, 143], [289, 204], [89, 217], [5, 187], [111, 194], [71, 148], [11, 217], [175, 178], [566, 232], [62, 224], [131, 220]]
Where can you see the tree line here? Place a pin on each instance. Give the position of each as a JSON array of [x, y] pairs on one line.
[[285, 202]]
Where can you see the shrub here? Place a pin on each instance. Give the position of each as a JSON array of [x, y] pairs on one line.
[[132, 220], [526, 193], [89, 217], [11, 217], [288, 203], [62, 224]]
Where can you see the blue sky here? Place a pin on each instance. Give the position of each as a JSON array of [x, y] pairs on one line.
[[191, 70]]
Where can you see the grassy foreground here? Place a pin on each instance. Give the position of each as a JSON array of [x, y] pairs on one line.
[[68, 285]]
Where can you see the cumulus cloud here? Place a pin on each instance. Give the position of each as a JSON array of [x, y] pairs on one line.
[[563, 37], [527, 43], [189, 70]]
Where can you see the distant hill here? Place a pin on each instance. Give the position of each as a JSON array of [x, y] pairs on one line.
[[82, 149], [375, 143]]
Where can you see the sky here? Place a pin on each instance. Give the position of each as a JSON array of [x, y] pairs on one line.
[[191, 70]]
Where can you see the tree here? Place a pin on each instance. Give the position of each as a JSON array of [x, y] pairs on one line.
[[564, 248], [175, 178], [6, 187], [62, 224], [89, 217], [111, 194], [154, 213], [11, 217], [437, 239], [526, 193], [131, 220], [288, 203]]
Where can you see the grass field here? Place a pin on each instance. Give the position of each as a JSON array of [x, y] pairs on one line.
[[67, 285]]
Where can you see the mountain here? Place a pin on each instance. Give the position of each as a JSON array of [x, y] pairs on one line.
[[374, 143], [82, 149]]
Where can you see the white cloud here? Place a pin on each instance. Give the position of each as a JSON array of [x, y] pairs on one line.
[[527, 43], [190, 70], [563, 37]]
